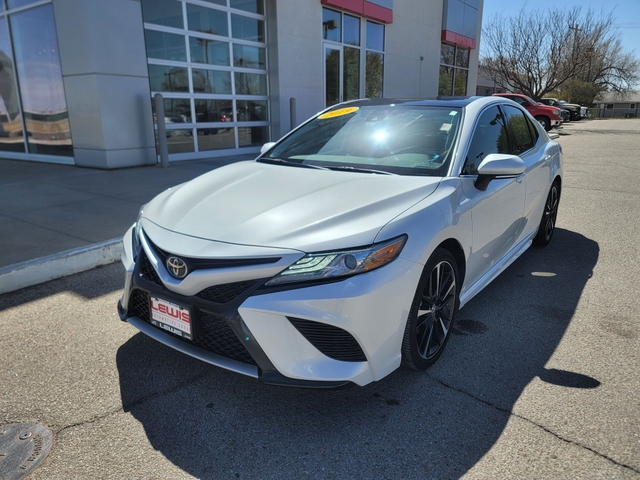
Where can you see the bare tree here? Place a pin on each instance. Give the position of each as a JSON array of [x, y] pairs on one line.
[[538, 52]]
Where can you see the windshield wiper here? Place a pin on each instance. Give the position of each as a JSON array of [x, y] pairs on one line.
[[359, 170], [291, 163]]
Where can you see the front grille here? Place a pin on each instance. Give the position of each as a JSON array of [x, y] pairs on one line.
[[147, 270], [139, 305], [334, 342], [211, 332], [225, 293]]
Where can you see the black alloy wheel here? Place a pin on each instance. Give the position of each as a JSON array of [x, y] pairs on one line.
[[549, 216], [432, 312]]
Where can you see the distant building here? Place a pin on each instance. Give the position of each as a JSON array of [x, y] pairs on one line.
[[77, 77], [612, 104], [486, 86]]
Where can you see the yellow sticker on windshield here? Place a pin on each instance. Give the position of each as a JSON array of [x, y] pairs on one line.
[[339, 112]]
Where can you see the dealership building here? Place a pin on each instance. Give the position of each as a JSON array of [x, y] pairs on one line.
[[77, 77]]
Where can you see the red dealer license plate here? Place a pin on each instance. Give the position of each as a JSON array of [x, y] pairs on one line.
[[171, 317]]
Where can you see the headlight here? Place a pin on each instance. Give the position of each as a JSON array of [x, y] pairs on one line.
[[556, 112], [135, 234], [320, 266]]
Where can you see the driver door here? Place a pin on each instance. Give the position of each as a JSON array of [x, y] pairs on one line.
[[496, 213]]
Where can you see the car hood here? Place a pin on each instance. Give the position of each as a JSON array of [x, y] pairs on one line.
[[253, 203]]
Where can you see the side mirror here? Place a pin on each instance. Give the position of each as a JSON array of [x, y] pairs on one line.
[[497, 165], [266, 147]]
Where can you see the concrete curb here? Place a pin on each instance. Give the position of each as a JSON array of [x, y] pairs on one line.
[[40, 270]]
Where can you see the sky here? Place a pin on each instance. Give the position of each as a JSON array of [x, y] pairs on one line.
[[626, 13]]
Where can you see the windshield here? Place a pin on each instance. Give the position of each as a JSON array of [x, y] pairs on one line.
[[396, 139]]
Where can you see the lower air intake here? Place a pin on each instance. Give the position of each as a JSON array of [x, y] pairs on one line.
[[334, 342]]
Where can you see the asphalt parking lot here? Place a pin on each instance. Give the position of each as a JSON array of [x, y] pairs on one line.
[[541, 380]]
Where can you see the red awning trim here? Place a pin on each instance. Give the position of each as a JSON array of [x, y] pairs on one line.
[[459, 40], [364, 8], [376, 12]]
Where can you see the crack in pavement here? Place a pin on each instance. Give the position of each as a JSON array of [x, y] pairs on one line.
[[130, 406], [185, 383], [511, 413]]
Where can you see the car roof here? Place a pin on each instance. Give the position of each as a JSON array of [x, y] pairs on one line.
[[455, 102]]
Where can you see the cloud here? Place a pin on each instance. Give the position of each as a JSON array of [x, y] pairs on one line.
[[629, 25]]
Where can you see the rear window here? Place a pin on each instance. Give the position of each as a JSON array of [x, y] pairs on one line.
[[401, 139]]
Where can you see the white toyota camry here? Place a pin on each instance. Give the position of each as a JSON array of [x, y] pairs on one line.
[[347, 247]]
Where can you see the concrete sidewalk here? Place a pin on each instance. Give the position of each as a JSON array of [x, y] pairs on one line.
[[56, 220]]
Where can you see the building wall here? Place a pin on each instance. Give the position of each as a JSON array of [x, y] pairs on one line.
[[297, 33], [104, 68], [475, 53], [412, 56]]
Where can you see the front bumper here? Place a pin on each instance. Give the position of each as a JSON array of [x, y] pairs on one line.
[[324, 336]]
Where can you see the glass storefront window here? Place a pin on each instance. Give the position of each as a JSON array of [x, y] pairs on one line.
[[249, 57], [331, 25], [168, 79], [250, 84], [447, 54], [40, 81], [462, 58], [16, 3], [165, 46], [179, 140], [351, 30], [221, 47], [253, 6], [375, 36], [207, 20], [211, 81], [460, 83], [374, 77], [208, 51], [454, 70], [344, 65], [214, 111], [445, 84], [246, 28], [216, 138], [252, 136], [351, 73], [176, 110], [331, 76], [163, 12], [11, 132], [251, 110]]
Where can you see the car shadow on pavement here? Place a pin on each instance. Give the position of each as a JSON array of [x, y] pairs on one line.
[[96, 282], [438, 424]]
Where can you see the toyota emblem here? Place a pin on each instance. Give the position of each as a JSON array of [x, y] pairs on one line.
[[177, 268]]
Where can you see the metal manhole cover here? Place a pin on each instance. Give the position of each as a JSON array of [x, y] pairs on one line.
[[23, 446]]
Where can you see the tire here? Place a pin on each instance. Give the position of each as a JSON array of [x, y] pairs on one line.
[[428, 329], [544, 121], [549, 215]]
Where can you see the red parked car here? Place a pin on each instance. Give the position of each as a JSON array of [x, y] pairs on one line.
[[547, 116]]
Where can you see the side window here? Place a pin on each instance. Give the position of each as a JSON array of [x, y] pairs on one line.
[[519, 134], [519, 100], [490, 136], [535, 134]]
